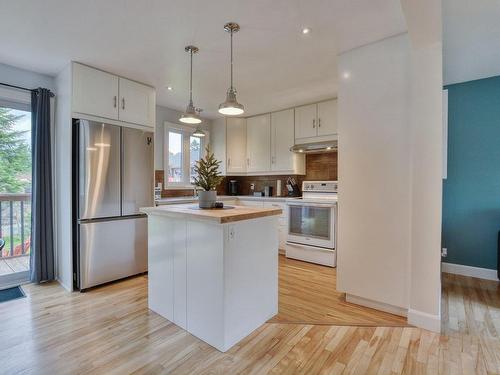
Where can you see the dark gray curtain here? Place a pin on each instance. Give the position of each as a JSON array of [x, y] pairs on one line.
[[42, 234]]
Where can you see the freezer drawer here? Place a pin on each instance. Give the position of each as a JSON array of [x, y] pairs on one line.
[[111, 250], [137, 170]]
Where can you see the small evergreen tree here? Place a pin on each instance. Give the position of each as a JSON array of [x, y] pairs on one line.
[[207, 169]]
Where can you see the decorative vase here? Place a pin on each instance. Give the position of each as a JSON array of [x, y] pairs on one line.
[[207, 199]]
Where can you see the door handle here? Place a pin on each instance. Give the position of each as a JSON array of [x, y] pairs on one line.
[[248, 161], [114, 101], [228, 162], [319, 123], [314, 123], [123, 103]]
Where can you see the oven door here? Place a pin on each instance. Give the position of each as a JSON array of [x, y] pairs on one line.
[[312, 224]]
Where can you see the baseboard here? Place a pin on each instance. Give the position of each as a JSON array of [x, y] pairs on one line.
[[67, 287], [480, 273], [376, 305], [424, 320]]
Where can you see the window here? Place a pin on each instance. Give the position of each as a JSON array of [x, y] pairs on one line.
[[175, 157], [15, 186], [182, 151]]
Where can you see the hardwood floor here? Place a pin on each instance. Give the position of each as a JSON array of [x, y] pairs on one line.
[[308, 295], [109, 330]]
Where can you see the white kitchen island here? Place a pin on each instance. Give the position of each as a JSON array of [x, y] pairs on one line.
[[213, 272]]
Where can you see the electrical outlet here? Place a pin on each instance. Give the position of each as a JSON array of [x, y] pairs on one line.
[[444, 252]]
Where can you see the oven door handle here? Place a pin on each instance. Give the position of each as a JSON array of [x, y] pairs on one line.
[[305, 204]]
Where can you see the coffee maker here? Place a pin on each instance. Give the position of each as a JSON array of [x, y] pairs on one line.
[[233, 187]]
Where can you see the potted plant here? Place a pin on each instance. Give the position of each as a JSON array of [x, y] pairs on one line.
[[208, 177]]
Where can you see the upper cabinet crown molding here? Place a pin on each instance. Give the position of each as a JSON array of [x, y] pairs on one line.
[[100, 94]]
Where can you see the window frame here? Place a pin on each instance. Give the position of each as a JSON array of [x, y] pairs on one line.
[[187, 132]]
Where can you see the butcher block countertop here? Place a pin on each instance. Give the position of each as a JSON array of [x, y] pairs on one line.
[[228, 214]]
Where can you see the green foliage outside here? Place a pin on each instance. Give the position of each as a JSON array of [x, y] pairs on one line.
[[15, 155], [15, 177]]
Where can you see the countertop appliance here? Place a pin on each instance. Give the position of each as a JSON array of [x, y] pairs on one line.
[[233, 187], [312, 223], [112, 179]]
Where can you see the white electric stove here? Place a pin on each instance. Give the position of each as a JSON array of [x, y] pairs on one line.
[[312, 223]]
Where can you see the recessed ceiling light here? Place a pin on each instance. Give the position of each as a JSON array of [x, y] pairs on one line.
[[306, 30], [346, 75], [170, 88]]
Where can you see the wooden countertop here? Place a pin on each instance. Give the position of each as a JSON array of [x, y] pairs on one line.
[[221, 216]]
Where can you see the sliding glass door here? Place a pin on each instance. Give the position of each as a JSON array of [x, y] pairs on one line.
[[15, 193]]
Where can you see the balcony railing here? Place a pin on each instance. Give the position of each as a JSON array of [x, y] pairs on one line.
[[15, 224]]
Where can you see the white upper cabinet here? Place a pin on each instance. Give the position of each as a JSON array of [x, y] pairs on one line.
[[259, 143], [316, 122], [305, 121], [137, 103], [95, 92], [105, 95], [236, 145], [282, 138], [327, 117]]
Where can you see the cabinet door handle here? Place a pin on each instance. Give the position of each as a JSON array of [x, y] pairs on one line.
[[114, 101], [228, 162], [319, 123], [248, 161], [123, 103], [314, 123]]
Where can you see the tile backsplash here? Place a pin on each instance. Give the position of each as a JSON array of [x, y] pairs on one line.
[[318, 167]]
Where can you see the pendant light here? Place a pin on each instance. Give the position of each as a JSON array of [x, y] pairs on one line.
[[231, 107], [198, 132], [191, 116]]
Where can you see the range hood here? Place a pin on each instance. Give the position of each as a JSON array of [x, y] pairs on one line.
[[316, 147]]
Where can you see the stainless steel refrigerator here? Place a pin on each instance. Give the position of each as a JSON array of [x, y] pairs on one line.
[[112, 178]]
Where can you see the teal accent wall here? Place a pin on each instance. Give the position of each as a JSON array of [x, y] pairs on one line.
[[471, 193]]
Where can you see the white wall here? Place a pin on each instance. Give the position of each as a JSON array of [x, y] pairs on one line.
[[390, 168], [166, 114], [25, 78], [424, 25], [374, 174], [63, 191]]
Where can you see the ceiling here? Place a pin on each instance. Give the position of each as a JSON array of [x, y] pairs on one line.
[[276, 66], [471, 39]]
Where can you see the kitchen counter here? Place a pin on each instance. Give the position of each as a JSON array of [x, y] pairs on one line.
[[213, 272], [226, 215], [180, 200]]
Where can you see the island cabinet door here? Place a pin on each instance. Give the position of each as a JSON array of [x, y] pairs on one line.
[[250, 276], [160, 266], [167, 268], [205, 289]]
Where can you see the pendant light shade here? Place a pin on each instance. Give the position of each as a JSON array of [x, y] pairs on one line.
[[190, 116], [231, 107], [198, 132]]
